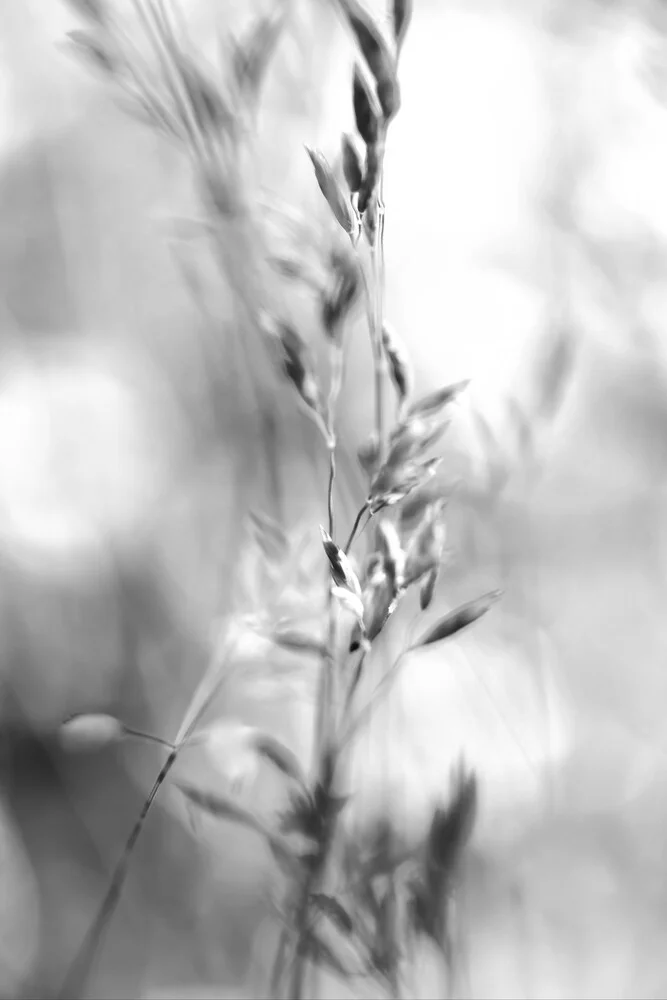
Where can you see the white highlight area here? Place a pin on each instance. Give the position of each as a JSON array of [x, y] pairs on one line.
[[79, 457]]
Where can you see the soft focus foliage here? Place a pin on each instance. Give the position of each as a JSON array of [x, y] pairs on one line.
[[526, 223]]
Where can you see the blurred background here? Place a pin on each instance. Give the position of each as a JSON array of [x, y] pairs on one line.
[[526, 244]]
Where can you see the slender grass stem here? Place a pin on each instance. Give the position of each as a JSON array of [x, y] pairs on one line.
[[378, 365], [356, 677], [378, 283], [313, 879], [355, 527], [82, 964], [278, 968], [149, 738], [330, 491], [381, 689]]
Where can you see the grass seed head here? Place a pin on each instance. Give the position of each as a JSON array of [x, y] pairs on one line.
[[395, 482], [367, 454], [372, 174], [217, 191], [351, 602], [90, 732], [92, 10], [253, 55], [342, 572], [393, 555], [411, 440], [366, 109], [452, 827], [290, 267], [400, 368], [378, 599], [211, 111], [389, 96], [427, 589], [296, 361], [330, 188], [456, 620], [427, 543], [337, 302], [96, 49], [449, 834], [352, 163], [380, 59], [401, 15], [434, 402], [416, 507]]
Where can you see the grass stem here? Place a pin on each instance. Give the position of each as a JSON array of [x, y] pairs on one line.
[[80, 969], [355, 527]]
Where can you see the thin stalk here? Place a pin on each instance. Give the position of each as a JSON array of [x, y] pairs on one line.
[[356, 677], [381, 689], [204, 694], [326, 714], [311, 885], [278, 968], [355, 527], [325, 696], [82, 964], [330, 489], [336, 355], [149, 738], [378, 366], [376, 350], [300, 961], [232, 244], [326, 700], [378, 274]]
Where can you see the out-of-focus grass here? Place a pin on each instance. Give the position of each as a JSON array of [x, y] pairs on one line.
[[564, 897]]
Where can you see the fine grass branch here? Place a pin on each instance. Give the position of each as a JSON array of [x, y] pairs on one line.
[[333, 918]]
